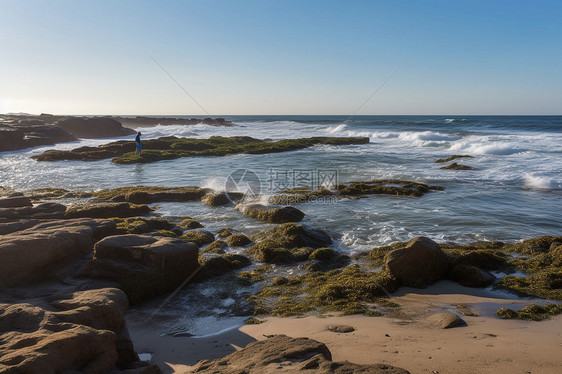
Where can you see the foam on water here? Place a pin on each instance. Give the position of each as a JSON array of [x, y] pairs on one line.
[[542, 183]]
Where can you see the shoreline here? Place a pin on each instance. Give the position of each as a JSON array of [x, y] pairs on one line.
[[485, 345]]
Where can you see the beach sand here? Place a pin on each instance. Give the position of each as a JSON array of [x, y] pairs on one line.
[[486, 345]]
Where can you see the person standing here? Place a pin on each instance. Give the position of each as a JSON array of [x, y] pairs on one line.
[[138, 151]]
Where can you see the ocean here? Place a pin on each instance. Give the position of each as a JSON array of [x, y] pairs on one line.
[[514, 190]]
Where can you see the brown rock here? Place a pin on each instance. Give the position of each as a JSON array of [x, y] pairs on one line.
[[15, 201], [444, 320], [341, 328], [92, 128], [34, 253], [144, 266], [419, 264], [471, 276], [294, 354], [106, 210], [271, 214]]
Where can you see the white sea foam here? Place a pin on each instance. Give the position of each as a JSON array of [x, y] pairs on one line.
[[337, 129], [216, 184], [542, 183], [486, 149]]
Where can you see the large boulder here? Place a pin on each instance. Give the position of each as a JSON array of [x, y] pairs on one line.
[[35, 253], [444, 320], [83, 332], [92, 128], [143, 266], [108, 210], [294, 354], [419, 264], [271, 214]]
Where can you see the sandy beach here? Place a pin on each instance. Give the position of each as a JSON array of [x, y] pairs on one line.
[[485, 345]]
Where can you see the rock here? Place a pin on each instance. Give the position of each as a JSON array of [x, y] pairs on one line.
[[144, 266], [82, 333], [217, 246], [444, 320], [238, 240], [199, 237], [35, 253], [471, 276], [216, 199], [455, 166], [190, 224], [39, 211], [419, 264], [215, 265], [271, 214], [451, 158], [92, 128], [30, 135], [106, 210], [140, 196], [289, 355], [341, 328], [15, 201]]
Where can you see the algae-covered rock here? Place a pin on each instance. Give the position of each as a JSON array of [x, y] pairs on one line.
[[238, 240], [451, 158], [419, 264], [287, 243], [215, 265], [168, 148], [271, 214], [217, 246], [107, 210], [471, 276], [531, 312], [200, 237], [141, 225], [151, 194], [455, 166]]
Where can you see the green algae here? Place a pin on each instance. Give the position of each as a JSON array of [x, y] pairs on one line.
[[199, 237], [351, 290], [531, 312], [141, 225], [238, 240], [151, 194], [451, 158], [167, 148]]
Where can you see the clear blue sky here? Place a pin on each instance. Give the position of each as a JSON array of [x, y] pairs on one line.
[[281, 57]]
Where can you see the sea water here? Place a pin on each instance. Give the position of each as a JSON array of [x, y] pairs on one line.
[[513, 192]]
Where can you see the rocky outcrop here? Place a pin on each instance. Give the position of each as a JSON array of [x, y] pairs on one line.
[[171, 147], [84, 332], [106, 210], [151, 194], [419, 264], [22, 136], [34, 253], [141, 121], [289, 355], [15, 201], [271, 214], [92, 128], [40, 211], [143, 266]]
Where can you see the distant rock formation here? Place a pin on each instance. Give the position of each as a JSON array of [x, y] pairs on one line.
[[92, 128]]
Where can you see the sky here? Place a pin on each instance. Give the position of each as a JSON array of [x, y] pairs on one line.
[[283, 57]]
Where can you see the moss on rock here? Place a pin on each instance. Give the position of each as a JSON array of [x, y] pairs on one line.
[[200, 237], [238, 240], [531, 312]]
